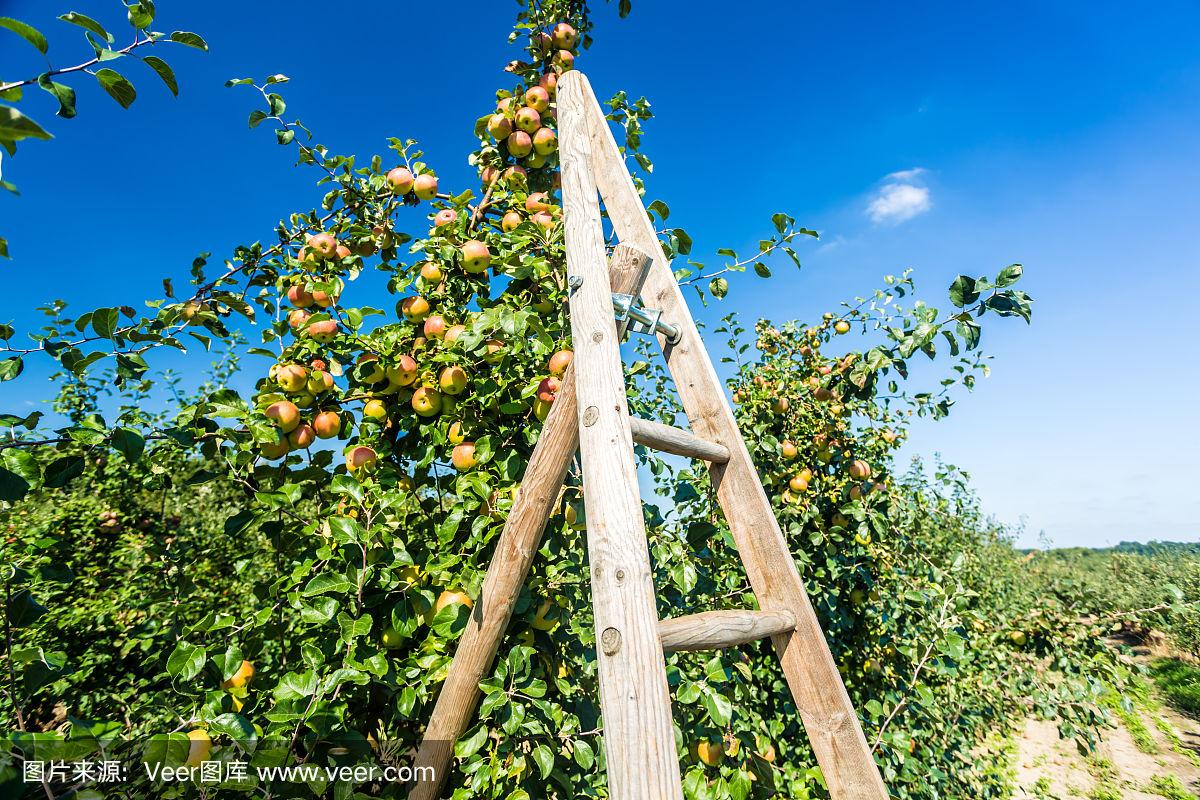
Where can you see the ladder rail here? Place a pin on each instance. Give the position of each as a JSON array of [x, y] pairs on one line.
[[829, 716], [515, 549], [639, 736]]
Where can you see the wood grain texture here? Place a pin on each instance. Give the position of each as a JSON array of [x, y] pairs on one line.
[[639, 739], [515, 549], [668, 439], [828, 715], [715, 630]]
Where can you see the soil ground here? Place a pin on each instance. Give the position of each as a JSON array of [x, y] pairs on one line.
[[1153, 753]]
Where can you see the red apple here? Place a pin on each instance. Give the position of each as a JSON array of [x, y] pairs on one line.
[[538, 201], [298, 297], [322, 331], [324, 299], [427, 402], [446, 216], [538, 99], [476, 256], [559, 362], [564, 36], [404, 373], [426, 186], [323, 245], [291, 378], [463, 456], [510, 221], [414, 309], [545, 141], [432, 272], [516, 176], [284, 414], [499, 126], [327, 424], [548, 389], [453, 332], [297, 318], [528, 120], [400, 180], [520, 144], [453, 380], [360, 458], [302, 437], [435, 326]]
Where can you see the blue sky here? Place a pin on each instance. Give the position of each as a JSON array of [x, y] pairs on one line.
[[1058, 135]]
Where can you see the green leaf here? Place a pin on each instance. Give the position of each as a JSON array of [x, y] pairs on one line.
[[75, 18], [229, 662], [141, 14], [718, 287], [190, 39], [15, 126], [164, 71], [26, 32], [64, 94], [129, 442], [186, 661], [584, 755], [660, 208], [284, 136], [543, 756], [1009, 275], [963, 291], [19, 472], [465, 748], [762, 270], [256, 116], [62, 471], [11, 368], [683, 240], [719, 707], [24, 609], [13, 487], [3, 247], [104, 322], [117, 87]]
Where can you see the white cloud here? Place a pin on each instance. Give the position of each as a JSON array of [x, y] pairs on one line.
[[906, 175], [900, 198]]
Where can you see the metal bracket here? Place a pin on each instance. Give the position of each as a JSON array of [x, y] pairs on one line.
[[627, 308]]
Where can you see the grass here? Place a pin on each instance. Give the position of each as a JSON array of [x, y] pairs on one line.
[[1178, 682], [1176, 743], [1138, 731], [1107, 787], [1170, 787]]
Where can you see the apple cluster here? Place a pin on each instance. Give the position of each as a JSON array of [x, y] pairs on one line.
[[425, 368]]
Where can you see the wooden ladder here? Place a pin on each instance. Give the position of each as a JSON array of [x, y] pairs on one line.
[[591, 414]]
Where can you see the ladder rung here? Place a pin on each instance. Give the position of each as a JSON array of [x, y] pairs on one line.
[[674, 440], [713, 630]]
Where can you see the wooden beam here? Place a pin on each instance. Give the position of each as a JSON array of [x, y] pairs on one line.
[[829, 717], [639, 737], [668, 439], [515, 548], [716, 630]]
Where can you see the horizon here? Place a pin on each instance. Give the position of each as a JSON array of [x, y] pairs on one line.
[[1068, 161]]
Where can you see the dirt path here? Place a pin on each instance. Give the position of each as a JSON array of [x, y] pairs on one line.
[[1154, 753]]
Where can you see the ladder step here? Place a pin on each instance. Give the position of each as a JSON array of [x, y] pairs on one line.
[[714, 630], [669, 439]]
